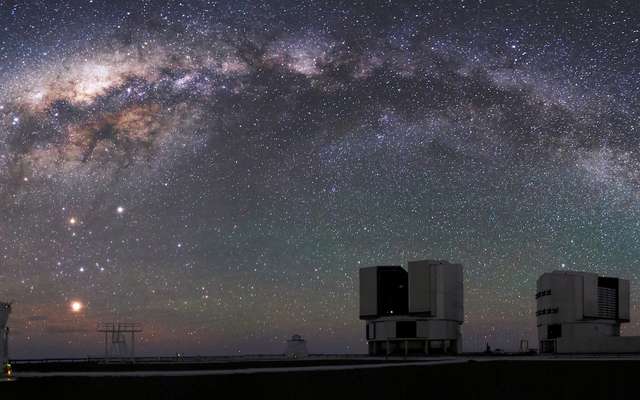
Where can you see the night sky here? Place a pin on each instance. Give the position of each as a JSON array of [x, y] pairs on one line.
[[218, 171]]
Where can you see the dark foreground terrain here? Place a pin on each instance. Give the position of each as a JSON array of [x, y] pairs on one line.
[[532, 378]]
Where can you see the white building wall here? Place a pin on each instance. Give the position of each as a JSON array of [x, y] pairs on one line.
[[432, 329], [368, 291], [436, 289], [624, 301], [438, 329], [421, 300], [602, 344], [590, 330], [387, 329], [451, 294], [570, 300]]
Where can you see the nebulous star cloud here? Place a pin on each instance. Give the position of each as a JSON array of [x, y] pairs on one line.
[[127, 106], [114, 110]]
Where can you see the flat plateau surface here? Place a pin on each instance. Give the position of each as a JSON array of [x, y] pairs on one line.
[[469, 377]]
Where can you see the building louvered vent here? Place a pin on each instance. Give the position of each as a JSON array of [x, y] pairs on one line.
[[607, 303]]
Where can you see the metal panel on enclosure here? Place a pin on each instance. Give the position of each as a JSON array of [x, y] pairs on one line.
[[623, 301], [436, 289], [420, 288], [368, 292], [590, 295]]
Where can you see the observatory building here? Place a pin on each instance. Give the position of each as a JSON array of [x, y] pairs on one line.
[[296, 347], [581, 312], [5, 310], [417, 312]]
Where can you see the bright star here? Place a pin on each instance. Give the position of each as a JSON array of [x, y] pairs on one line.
[[76, 306]]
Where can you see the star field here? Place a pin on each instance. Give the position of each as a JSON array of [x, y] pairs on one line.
[[218, 171]]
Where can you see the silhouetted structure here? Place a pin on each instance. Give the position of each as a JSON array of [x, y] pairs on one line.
[[115, 338], [581, 312], [414, 313], [5, 310]]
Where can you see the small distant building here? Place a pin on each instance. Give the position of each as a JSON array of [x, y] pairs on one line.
[[296, 347], [418, 312], [581, 312], [5, 310]]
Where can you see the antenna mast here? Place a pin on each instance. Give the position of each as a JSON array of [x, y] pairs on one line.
[[115, 338]]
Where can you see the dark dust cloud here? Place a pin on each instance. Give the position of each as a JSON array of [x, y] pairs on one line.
[[219, 170]]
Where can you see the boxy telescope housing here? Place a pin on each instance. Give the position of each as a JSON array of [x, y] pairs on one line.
[[417, 312]]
